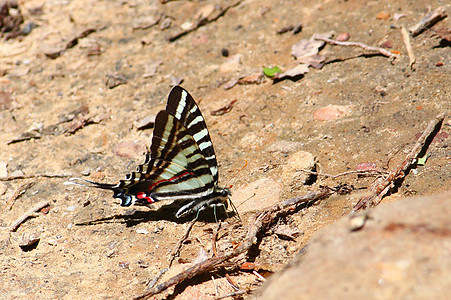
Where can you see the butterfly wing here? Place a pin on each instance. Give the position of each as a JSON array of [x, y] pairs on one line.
[[182, 106], [175, 169], [181, 164]]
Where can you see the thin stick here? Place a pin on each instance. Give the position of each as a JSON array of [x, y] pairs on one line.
[[15, 177], [155, 280], [232, 283], [28, 214], [406, 39], [264, 218], [367, 172], [204, 22], [177, 248], [381, 188], [429, 20], [19, 192], [361, 45], [258, 275]]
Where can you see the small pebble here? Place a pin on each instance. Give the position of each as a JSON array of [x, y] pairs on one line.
[[52, 242], [331, 112], [387, 44], [29, 239], [297, 28], [357, 222], [28, 28], [383, 15], [86, 172], [71, 207], [142, 231], [225, 52], [342, 37]]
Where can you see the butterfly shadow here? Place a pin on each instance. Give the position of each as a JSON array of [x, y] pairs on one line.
[[166, 212]]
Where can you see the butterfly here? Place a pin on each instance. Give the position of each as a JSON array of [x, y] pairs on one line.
[[180, 166]]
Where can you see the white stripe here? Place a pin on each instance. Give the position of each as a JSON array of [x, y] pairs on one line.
[[180, 197], [193, 110], [214, 171], [181, 106], [198, 119], [205, 145], [200, 135], [210, 157]]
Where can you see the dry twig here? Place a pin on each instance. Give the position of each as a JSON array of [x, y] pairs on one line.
[[261, 221], [232, 283], [406, 39], [429, 20], [381, 187], [28, 214], [154, 281], [15, 177], [359, 173], [361, 45]]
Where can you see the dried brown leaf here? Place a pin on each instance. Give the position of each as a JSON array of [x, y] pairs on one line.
[[256, 78], [316, 61], [308, 47], [223, 110], [298, 70]]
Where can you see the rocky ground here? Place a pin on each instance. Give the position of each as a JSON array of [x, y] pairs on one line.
[[80, 80]]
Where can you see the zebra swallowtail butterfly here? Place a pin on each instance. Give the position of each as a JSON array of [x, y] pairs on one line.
[[181, 164]]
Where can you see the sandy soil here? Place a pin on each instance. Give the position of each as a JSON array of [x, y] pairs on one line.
[[89, 246]]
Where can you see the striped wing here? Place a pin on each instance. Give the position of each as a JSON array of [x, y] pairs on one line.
[[175, 169], [183, 107], [181, 164]]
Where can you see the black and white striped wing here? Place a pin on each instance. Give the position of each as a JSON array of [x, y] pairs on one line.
[[183, 107], [181, 164], [175, 169]]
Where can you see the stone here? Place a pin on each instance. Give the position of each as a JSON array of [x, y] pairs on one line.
[[332, 112], [401, 252], [257, 195], [300, 160]]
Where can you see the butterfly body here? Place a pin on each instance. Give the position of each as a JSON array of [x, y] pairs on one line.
[[181, 164]]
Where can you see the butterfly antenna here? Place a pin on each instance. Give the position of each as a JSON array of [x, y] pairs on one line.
[[89, 183], [234, 175], [230, 186]]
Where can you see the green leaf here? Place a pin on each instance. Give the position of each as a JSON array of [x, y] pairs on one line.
[[422, 160], [271, 72]]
